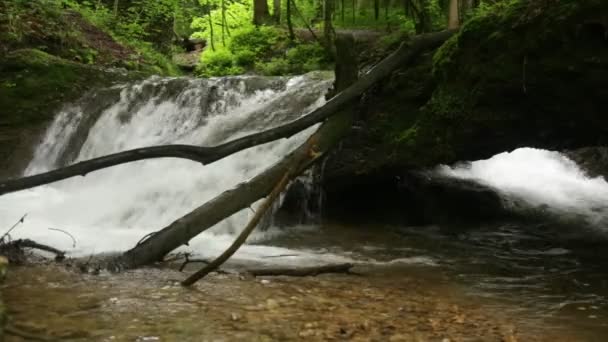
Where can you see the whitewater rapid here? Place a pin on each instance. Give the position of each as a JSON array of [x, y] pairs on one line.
[[112, 209], [541, 179]]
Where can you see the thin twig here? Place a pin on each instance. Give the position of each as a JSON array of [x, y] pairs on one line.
[[279, 187], [66, 233], [13, 227], [280, 256]]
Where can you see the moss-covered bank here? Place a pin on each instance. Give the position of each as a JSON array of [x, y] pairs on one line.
[[33, 86], [521, 74]]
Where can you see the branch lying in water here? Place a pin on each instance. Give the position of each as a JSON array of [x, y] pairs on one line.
[[302, 271], [206, 155]]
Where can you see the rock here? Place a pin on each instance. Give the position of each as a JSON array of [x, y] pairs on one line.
[[592, 160], [272, 304]]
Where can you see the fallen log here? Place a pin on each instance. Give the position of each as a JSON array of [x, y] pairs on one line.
[[206, 155], [14, 249], [301, 271]]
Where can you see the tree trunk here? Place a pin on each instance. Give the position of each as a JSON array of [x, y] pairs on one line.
[[376, 10], [453, 16], [328, 29], [292, 36], [277, 11], [223, 5], [261, 15], [211, 37]]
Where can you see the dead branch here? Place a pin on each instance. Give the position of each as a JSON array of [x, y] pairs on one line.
[[66, 233], [210, 267], [27, 243], [301, 271], [13, 227], [206, 155]]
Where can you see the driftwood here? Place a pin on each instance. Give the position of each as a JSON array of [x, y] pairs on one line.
[[301, 271], [14, 250], [206, 155], [18, 245]]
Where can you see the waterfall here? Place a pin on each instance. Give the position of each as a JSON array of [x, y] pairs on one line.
[[110, 210]]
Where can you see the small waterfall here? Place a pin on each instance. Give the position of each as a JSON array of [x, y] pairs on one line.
[[543, 180], [110, 210]]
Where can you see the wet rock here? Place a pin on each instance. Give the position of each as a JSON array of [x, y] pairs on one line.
[[592, 160]]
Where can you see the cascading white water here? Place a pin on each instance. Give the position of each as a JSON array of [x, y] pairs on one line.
[[543, 179], [110, 210]]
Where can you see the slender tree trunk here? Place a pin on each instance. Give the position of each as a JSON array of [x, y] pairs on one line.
[[453, 16], [328, 29], [211, 36], [292, 36], [260, 12], [277, 11], [116, 8], [342, 10], [223, 4], [376, 9], [386, 6], [226, 25], [354, 11]]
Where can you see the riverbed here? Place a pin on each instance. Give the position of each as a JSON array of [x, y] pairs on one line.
[[410, 284]]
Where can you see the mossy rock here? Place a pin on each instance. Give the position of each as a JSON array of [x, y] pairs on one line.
[[520, 74], [33, 86]]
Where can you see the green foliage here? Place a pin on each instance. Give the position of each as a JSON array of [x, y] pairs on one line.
[[245, 58], [261, 49], [259, 40], [218, 63], [275, 67]]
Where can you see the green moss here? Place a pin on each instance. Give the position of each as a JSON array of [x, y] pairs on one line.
[[34, 83], [514, 72]]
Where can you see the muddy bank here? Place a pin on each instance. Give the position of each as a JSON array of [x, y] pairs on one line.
[[150, 305]]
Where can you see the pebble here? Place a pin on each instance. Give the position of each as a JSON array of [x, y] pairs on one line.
[[264, 281], [272, 304]]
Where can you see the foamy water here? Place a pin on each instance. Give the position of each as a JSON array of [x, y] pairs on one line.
[[111, 210], [540, 178]]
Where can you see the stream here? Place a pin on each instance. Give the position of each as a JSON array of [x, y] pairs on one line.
[[506, 281]]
